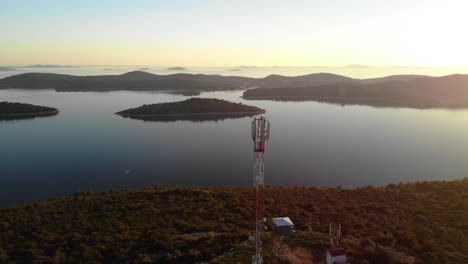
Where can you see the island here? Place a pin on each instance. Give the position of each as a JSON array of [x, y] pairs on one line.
[[5, 69], [425, 222], [410, 91], [246, 67], [176, 69], [197, 109], [9, 111], [189, 93]]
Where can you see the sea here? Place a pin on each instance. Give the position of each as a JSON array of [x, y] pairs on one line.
[[87, 148]]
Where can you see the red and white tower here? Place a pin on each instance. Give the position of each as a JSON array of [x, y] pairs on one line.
[[260, 134]]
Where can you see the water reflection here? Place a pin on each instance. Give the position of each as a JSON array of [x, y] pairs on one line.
[[87, 147], [7, 118], [193, 118]]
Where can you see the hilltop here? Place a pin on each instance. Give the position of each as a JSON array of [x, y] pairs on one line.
[[427, 220], [315, 79]]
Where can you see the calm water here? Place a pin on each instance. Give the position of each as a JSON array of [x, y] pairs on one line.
[[88, 148]]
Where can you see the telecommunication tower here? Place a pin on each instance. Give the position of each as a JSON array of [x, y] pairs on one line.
[[335, 234], [260, 134]]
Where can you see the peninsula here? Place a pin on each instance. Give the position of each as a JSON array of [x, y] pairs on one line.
[[9, 110], [411, 91], [193, 108]]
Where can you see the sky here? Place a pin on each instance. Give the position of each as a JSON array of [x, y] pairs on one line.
[[231, 33]]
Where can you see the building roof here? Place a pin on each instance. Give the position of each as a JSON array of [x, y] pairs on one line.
[[336, 252], [282, 221]]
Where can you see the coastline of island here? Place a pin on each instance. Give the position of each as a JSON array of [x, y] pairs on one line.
[[12, 111], [191, 109], [363, 101]]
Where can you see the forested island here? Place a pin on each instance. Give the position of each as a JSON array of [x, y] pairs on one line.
[[394, 91], [9, 110], [193, 108], [424, 220]]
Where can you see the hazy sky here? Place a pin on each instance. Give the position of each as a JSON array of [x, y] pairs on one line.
[[231, 33]]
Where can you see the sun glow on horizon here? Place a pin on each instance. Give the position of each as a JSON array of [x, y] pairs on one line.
[[262, 33]]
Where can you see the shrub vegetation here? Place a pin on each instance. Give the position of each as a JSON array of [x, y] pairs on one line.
[[427, 220]]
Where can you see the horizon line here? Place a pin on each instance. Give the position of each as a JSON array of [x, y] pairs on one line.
[[232, 67]]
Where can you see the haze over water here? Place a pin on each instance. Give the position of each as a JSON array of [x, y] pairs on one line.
[[88, 148], [360, 72]]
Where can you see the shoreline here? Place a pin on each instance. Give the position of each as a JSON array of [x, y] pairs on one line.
[[194, 114], [27, 115], [375, 102], [207, 189]]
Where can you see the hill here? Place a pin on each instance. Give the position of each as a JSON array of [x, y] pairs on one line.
[[316, 79], [137, 81], [144, 81], [402, 91], [407, 77], [427, 220], [192, 108], [10, 110]]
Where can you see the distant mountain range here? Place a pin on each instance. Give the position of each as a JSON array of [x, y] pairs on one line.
[[397, 90]]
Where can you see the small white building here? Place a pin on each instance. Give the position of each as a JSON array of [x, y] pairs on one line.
[[336, 256], [283, 226]]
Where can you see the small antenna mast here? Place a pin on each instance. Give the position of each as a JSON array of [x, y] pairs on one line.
[[335, 234]]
